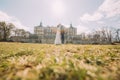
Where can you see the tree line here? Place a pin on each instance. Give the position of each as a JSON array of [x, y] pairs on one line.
[[8, 29], [102, 35]]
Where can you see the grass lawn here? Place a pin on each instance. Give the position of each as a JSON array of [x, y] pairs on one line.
[[27, 61]]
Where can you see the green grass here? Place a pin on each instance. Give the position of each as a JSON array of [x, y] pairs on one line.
[[24, 61]]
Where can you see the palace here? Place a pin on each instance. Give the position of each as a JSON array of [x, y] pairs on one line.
[[47, 34]]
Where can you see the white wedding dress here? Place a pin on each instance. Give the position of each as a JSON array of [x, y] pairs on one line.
[[58, 36]]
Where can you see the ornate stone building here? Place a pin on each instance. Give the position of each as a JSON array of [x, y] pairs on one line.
[[46, 34]]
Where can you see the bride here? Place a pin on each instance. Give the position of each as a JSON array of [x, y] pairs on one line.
[[58, 35]]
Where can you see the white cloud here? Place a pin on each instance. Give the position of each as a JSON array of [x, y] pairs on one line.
[[87, 17], [4, 16], [109, 8], [9, 19], [82, 29]]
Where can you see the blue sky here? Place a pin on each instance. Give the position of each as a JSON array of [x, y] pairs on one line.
[[86, 15]]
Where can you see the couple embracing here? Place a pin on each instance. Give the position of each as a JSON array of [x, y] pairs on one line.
[[59, 39]]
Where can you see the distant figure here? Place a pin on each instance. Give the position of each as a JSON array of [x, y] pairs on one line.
[[62, 35], [58, 35]]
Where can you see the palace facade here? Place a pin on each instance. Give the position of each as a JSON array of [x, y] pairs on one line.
[[47, 34]]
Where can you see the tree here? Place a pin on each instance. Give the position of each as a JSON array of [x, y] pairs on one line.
[[5, 30], [20, 32], [117, 35]]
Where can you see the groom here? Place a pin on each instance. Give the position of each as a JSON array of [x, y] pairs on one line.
[[62, 35]]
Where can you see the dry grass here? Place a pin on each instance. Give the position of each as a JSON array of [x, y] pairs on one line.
[[23, 61]]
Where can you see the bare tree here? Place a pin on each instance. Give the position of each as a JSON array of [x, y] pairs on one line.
[[117, 37]]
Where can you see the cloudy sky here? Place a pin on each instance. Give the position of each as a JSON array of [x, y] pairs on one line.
[[85, 15]]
